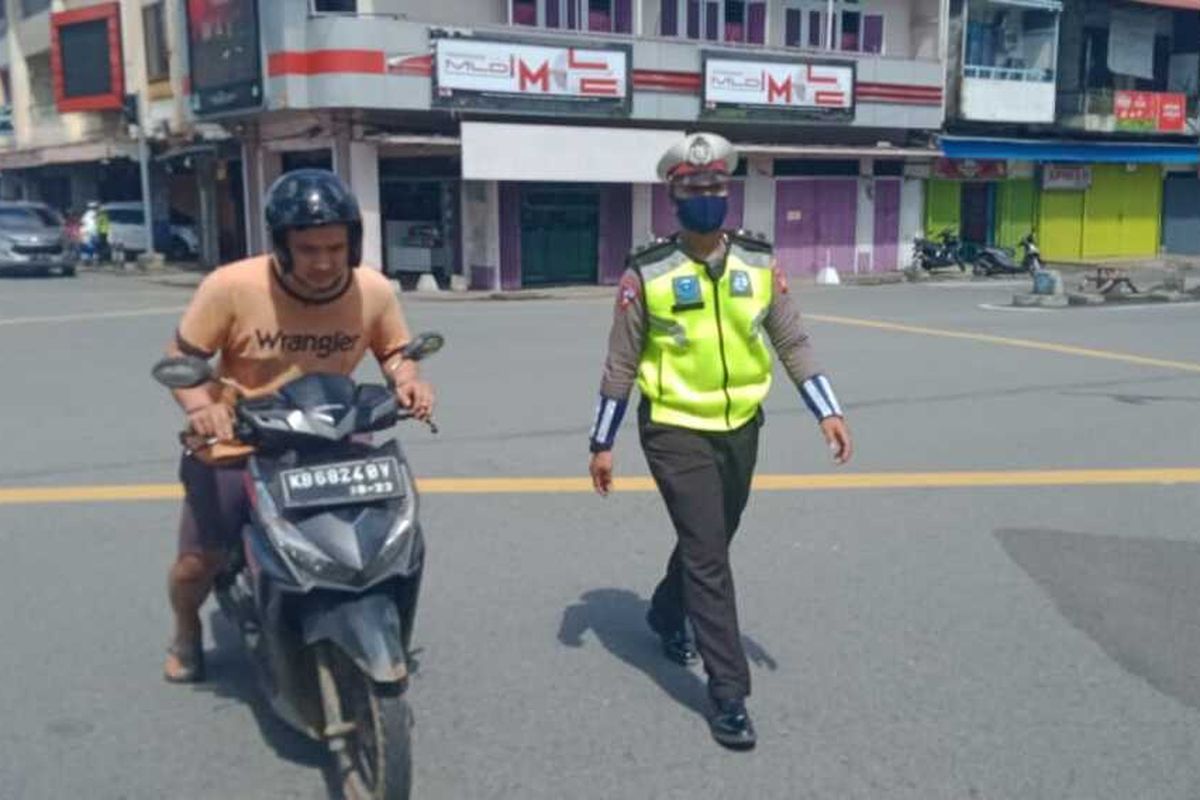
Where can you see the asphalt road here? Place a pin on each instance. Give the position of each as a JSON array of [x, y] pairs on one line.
[[965, 642]]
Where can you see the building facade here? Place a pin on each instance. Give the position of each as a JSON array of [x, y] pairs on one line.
[[79, 81], [513, 143], [1076, 120]]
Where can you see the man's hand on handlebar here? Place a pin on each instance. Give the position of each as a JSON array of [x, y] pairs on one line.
[[214, 420], [417, 396]]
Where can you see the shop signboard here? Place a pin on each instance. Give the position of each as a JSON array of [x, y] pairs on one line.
[[778, 89], [519, 76], [1150, 112], [1066, 177], [224, 57], [969, 169]]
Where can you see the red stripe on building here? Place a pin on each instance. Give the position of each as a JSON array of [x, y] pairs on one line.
[[416, 66], [324, 62], [665, 81]]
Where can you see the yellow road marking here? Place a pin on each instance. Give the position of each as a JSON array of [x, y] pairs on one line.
[[1029, 344], [640, 484]]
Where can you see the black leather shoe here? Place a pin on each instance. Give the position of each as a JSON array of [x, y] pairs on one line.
[[731, 726], [676, 644]]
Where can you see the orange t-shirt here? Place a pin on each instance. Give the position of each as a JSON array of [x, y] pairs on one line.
[[265, 333]]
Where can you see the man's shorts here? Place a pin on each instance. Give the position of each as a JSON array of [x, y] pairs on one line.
[[215, 506]]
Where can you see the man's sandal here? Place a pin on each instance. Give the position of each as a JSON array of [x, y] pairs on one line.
[[191, 662]]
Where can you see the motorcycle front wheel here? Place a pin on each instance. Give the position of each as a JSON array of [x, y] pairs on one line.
[[379, 750]]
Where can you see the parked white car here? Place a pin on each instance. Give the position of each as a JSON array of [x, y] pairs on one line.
[[127, 231]]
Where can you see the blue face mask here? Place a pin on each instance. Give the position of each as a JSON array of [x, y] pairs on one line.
[[702, 214]]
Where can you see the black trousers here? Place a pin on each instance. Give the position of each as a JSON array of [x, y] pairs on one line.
[[704, 478]]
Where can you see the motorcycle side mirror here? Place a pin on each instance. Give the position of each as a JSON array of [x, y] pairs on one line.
[[182, 372], [423, 345]]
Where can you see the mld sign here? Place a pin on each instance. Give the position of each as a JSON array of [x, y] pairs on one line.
[[778, 89], [516, 76]]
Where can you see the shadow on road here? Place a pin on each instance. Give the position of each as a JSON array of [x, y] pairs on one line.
[[231, 676], [1138, 599], [618, 619]]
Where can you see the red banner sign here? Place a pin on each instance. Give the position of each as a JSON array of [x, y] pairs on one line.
[[970, 169], [1160, 112]]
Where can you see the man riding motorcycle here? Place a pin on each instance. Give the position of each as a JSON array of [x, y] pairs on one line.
[[303, 308]]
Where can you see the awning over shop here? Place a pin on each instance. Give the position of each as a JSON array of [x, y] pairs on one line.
[[494, 151], [1068, 151], [81, 152]]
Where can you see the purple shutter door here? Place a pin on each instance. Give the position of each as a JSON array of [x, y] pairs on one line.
[[837, 219], [737, 205], [757, 16], [873, 33], [887, 225], [552, 14], [670, 18], [795, 226], [510, 235], [623, 16], [712, 21], [616, 230], [792, 33]]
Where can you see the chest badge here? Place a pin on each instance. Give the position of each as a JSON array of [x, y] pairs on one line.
[[739, 284], [687, 293]]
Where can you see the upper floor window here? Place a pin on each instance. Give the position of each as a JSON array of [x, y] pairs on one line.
[[851, 29], [158, 63], [597, 16], [335, 6], [1010, 41], [715, 20]]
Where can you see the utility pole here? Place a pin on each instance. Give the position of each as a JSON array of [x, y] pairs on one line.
[[144, 161]]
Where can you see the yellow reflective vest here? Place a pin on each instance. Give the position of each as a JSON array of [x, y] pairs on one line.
[[706, 364]]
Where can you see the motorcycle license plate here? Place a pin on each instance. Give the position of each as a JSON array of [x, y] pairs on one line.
[[362, 481]]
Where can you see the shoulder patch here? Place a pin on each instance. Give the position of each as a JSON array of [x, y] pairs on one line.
[[756, 242], [650, 252]]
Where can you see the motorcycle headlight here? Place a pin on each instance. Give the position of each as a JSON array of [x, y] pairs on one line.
[[397, 537], [298, 551]]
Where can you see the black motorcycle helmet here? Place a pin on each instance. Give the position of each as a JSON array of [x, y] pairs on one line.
[[308, 198]]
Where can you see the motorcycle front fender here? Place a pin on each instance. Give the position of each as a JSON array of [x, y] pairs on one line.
[[366, 628]]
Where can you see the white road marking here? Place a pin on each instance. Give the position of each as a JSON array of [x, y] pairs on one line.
[[1114, 307], [123, 314]]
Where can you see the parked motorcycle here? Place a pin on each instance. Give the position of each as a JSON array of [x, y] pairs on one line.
[[324, 586], [945, 250], [1002, 261]]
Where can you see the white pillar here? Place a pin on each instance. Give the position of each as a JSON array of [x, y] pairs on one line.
[[759, 212], [364, 182], [864, 229], [481, 231], [643, 213], [912, 213], [18, 79], [175, 29], [262, 168]]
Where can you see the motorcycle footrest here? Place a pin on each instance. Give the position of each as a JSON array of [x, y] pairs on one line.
[[339, 730]]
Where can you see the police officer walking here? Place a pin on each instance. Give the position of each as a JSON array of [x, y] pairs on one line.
[[691, 318]]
